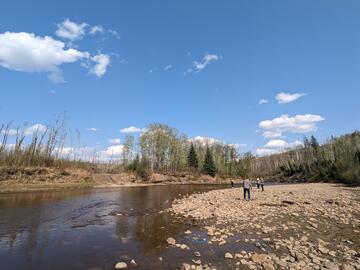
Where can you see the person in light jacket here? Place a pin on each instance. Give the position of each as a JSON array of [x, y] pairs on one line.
[[247, 187]]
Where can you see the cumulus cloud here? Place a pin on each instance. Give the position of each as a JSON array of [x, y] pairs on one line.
[[26, 52], [101, 63], [204, 140], [114, 141], [207, 59], [71, 30], [168, 67], [272, 134], [37, 128], [114, 151], [283, 98], [277, 146], [266, 151], [132, 129], [281, 144], [297, 124], [263, 101]]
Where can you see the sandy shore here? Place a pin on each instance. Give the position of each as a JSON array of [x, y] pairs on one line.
[[305, 226]]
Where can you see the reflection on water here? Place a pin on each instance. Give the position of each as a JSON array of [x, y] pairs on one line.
[[81, 229]]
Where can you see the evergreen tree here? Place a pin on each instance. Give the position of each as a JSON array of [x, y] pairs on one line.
[[209, 165], [314, 142], [192, 158], [135, 163]]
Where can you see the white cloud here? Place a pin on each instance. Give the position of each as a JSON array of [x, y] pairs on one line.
[[204, 140], [277, 146], [168, 67], [263, 101], [71, 30], [26, 52], [37, 128], [132, 129], [93, 129], [297, 124], [272, 134], [52, 91], [114, 151], [96, 29], [207, 59], [283, 98], [102, 61], [266, 151], [114, 141]]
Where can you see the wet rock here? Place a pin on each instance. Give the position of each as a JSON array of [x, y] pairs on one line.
[[185, 266], [171, 241], [197, 262], [228, 256], [121, 265], [197, 254]]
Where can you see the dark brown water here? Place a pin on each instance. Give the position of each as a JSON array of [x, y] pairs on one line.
[[81, 229]]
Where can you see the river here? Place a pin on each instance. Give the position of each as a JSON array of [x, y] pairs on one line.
[[96, 228]]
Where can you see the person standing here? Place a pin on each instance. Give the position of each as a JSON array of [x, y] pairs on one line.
[[262, 183], [247, 187], [232, 183], [258, 183]]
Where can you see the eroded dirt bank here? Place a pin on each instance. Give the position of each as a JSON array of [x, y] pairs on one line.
[[42, 178], [305, 226]]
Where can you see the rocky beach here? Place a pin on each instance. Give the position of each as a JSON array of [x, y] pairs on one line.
[[303, 226]]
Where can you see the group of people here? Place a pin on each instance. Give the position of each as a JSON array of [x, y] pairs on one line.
[[248, 186]]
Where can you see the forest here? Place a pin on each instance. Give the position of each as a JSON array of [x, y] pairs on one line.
[[163, 149]]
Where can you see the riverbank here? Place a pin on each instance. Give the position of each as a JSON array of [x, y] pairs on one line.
[[305, 226], [38, 179]]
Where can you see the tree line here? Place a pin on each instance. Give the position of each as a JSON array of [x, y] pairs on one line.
[[337, 159], [163, 149]]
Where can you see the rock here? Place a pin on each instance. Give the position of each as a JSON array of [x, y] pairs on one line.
[[281, 263], [133, 263], [331, 266], [197, 254], [243, 262], [258, 258], [185, 266], [228, 256], [323, 250], [171, 241], [188, 232], [268, 266], [198, 262], [347, 267], [121, 265], [183, 247], [304, 238]]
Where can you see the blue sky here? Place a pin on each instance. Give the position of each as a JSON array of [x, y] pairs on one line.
[[199, 66]]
